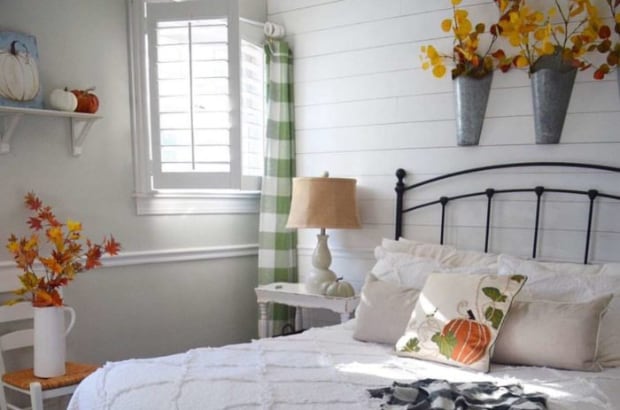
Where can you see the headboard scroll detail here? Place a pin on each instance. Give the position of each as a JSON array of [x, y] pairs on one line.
[[592, 194]]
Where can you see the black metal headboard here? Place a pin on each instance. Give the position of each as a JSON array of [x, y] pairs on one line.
[[592, 194]]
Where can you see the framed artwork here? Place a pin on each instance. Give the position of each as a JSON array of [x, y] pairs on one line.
[[19, 70]]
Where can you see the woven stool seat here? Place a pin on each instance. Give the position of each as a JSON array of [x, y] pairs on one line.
[[76, 372]]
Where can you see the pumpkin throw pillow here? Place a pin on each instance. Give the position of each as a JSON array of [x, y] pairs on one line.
[[457, 318]]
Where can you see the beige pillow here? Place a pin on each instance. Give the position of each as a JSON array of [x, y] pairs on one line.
[[384, 310], [571, 282], [552, 334], [457, 318]]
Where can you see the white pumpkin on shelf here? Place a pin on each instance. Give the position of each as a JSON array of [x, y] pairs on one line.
[[338, 288], [63, 100], [19, 74]]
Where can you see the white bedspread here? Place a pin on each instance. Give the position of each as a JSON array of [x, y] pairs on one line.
[[323, 368]]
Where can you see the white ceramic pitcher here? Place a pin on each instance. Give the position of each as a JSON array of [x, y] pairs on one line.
[[49, 340]]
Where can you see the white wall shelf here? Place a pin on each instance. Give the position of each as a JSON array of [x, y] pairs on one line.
[[80, 125]]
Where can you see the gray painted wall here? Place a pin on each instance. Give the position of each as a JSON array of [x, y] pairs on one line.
[[129, 311]]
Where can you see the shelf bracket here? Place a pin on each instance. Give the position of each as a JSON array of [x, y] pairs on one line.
[[10, 123], [79, 131]]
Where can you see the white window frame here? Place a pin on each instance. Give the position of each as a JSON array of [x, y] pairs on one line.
[[188, 201]]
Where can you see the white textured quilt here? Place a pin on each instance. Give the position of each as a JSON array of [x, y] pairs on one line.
[[323, 368]]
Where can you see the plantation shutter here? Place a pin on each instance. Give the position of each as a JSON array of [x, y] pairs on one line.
[[252, 113], [193, 56]]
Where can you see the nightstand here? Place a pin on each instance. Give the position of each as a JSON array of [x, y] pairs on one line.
[[294, 294]]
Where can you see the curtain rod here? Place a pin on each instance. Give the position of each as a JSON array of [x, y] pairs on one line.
[[252, 22], [271, 30]]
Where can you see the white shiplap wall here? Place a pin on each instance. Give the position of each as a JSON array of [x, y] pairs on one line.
[[364, 107]]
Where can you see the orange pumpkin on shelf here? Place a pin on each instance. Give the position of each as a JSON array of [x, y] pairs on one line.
[[472, 338], [86, 101]]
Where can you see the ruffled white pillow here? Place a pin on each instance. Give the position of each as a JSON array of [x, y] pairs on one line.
[[446, 255]]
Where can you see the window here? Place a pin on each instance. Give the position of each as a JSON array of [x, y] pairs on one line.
[[198, 100]]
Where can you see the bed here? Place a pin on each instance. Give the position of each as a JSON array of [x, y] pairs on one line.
[[335, 367]]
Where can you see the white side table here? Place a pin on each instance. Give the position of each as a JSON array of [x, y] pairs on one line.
[[294, 294]]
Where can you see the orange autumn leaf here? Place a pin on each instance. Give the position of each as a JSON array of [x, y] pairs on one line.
[[73, 226], [51, 265], [446, 25], [32, 201], [44, 298], [93, 257], [521, 62], [35, 223], [439, 71], [604, 32], [55, 235], [599, 74], [112, 247]]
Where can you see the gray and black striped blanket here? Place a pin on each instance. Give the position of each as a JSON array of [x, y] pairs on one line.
[[433, 394]]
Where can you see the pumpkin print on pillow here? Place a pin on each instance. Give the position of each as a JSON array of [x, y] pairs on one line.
[[457, 318]]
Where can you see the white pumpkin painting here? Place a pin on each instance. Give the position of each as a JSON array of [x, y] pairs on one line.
[[19, 71]]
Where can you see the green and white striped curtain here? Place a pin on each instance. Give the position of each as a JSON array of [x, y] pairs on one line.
[[277, 258]]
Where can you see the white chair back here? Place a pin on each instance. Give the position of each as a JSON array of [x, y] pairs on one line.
[[15, 339]]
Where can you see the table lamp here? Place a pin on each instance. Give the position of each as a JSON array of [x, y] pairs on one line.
[[323, 202]]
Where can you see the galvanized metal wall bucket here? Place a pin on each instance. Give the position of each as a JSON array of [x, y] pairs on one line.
[[471, 97], [551, 92]]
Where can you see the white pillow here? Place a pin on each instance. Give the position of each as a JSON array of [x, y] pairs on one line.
[[412, 269], [508, 263], [419, 249], [462, 258], [572, 282], [446, 255], [403, 268]]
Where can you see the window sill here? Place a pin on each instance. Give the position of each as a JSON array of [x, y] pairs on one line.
[[216, 202]]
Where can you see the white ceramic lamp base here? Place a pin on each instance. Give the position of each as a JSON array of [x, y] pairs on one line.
[[321, 259], [317, 277]]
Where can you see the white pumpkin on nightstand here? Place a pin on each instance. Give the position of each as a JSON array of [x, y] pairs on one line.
[[338, 288]]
